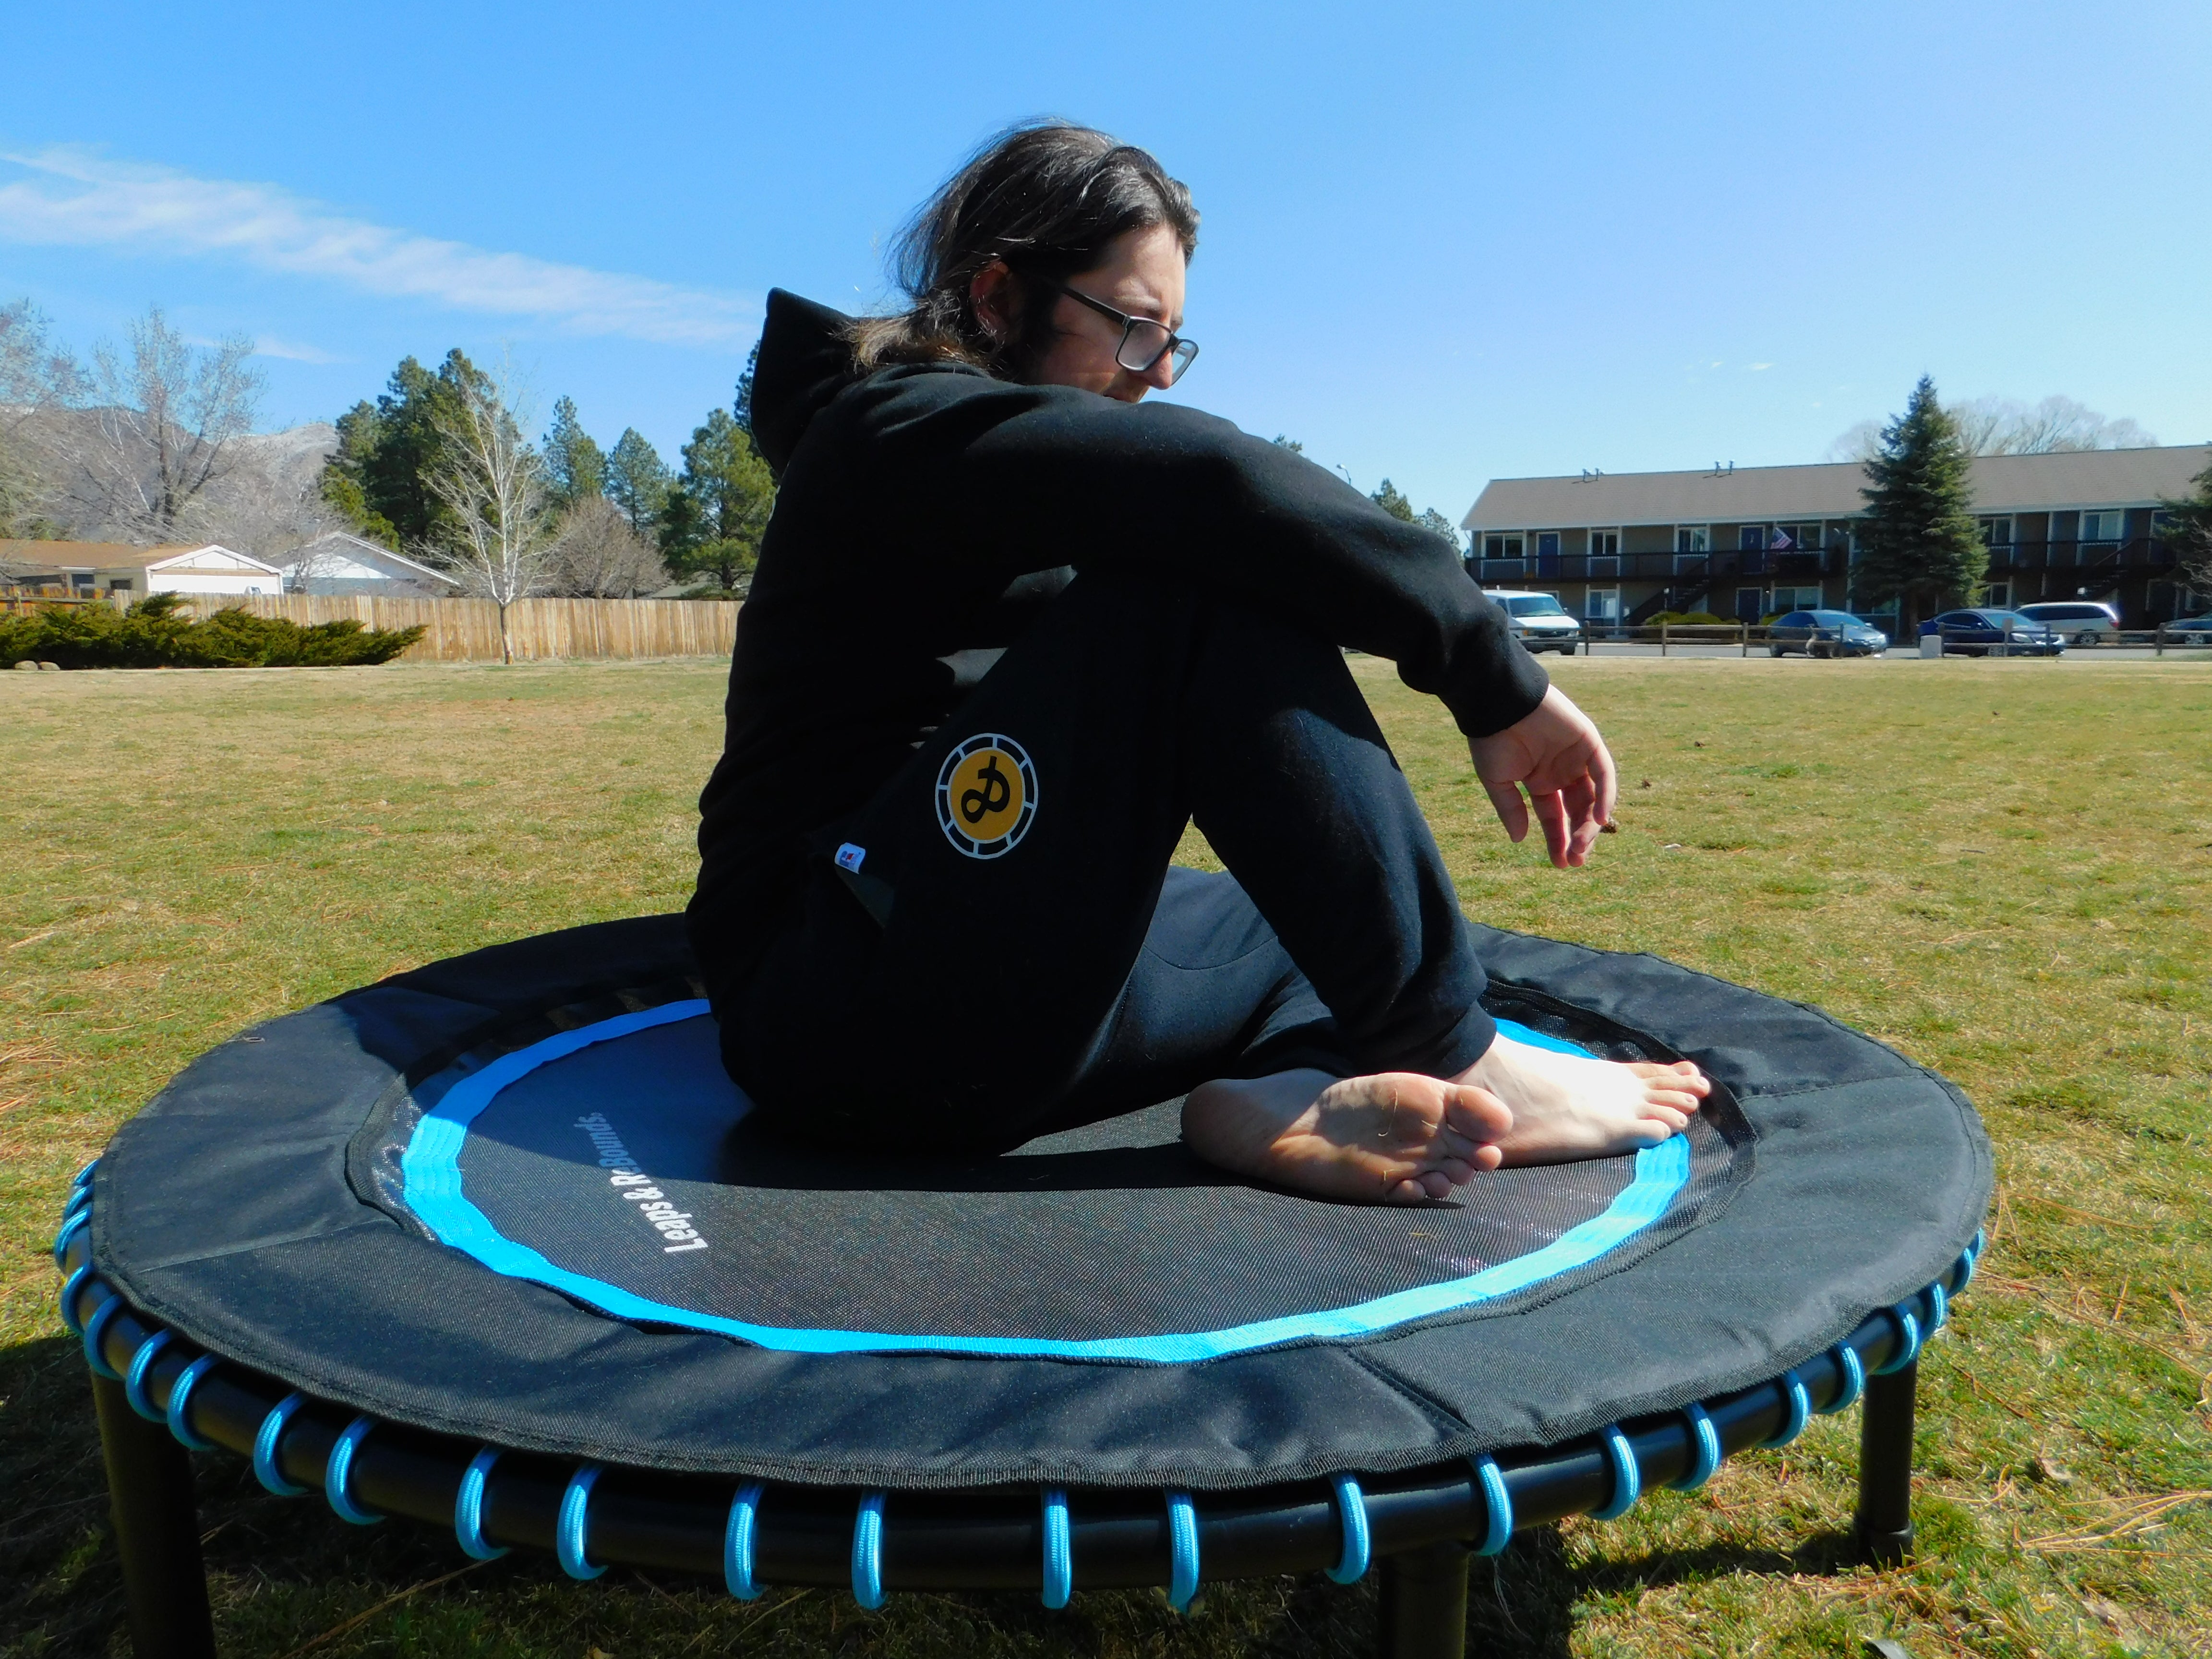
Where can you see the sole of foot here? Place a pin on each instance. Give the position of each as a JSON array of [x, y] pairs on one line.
[[1392, 1137]]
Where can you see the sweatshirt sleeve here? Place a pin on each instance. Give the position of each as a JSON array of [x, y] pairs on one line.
[[1043, 476]]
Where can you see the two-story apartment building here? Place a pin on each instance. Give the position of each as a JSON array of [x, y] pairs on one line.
[[1749, 542]]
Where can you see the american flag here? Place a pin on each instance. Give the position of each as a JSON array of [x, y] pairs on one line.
[[1781, 541]]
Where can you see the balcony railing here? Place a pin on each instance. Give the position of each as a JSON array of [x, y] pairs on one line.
[[1660, 567], [2136, 553]]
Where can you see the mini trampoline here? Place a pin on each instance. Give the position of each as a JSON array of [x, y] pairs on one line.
[[495, 1245]]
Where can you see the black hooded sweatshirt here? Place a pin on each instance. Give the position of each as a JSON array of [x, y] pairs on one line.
[[924, 516]]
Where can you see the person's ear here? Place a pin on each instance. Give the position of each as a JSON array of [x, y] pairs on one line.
[[995, 298]]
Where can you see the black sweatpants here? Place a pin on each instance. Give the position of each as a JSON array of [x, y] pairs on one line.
[[1005, 949]]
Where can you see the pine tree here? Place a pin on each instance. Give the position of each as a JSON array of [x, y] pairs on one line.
[[573, 466], [379, 475], [1388, 496], [1918, 543], [636, 481], [712, 521], [742, 407]]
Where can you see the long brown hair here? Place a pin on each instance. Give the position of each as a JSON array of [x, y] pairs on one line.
[[1046, 197]]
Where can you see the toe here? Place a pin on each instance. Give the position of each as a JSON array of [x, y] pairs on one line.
[[1676, 1122], [1477, 1114]]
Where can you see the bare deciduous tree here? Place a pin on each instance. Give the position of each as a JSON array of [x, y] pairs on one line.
[[499, 545], [2005, 426], [163, 427], [37, 381], [598, 555]]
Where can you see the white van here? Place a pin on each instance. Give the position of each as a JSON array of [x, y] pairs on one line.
[[2078, 621], [1539, 621]]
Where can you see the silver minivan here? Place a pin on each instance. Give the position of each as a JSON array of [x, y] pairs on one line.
[[2079, 622]]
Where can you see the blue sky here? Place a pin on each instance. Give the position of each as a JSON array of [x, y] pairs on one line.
[[1441, 244]]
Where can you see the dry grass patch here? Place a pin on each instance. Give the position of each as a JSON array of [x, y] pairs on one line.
[[1999, 867]]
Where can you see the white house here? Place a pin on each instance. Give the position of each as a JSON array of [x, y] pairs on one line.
[[340, 563], [88, 568]]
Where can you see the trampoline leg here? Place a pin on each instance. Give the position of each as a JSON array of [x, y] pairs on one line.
[[1884, 1522], [149, 1494], [1423, 1612]]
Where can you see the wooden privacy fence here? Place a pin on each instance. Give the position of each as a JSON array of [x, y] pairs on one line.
[[467, 630]]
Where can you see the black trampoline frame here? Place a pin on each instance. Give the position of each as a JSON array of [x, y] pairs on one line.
[[155, 1396]]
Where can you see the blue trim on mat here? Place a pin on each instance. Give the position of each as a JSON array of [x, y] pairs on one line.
[[431, 1170]]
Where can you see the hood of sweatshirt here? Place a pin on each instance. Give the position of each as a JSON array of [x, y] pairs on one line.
[[806, 361]]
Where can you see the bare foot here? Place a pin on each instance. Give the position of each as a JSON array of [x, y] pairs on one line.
[[1393, 1138], [1566, 1107]]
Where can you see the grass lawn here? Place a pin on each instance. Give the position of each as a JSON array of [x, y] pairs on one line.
[[2000, 867]]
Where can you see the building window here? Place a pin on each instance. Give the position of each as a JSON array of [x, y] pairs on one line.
[[1796, 599], [1501, 547], [2103, 525], [1605, 543], [80, 580], [118, 584], [1997, 595], [1693, 538], [1997, 533], [1601, 605]]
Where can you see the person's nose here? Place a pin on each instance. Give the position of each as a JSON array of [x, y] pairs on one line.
[[1162, 373]]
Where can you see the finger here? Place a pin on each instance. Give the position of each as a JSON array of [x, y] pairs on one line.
[[1608, 778], [1552, 813], [1581, 798], [1512, 813]]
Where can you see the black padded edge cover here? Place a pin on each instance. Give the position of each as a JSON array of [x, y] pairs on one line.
[[224, 1209]]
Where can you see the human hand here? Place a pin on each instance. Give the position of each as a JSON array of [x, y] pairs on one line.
[[1557, 755]]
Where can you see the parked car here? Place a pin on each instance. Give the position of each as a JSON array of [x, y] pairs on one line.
[[2193, 630], [1978, 633], [2083, 621], [1825, 634], [1539, 621]]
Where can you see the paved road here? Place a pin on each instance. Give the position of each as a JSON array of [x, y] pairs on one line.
[[2096, 653]]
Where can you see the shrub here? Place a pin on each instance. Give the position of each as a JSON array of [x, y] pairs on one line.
[[153, 634], [1690, 619]]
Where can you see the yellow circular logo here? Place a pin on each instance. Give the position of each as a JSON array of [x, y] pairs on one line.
[[986, 795]]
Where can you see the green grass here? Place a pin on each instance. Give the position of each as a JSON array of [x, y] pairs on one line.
[[2002, 868]]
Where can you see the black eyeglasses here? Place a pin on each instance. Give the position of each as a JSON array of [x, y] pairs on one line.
[[1144, 342]]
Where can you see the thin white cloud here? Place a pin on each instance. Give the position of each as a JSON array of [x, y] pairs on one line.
[[1756, 368], [66, 196], [268, 345]]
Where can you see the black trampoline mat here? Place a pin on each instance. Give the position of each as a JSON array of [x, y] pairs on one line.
[[616, 1163]]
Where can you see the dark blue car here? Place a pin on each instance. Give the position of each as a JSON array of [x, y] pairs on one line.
[[1978, 633]]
